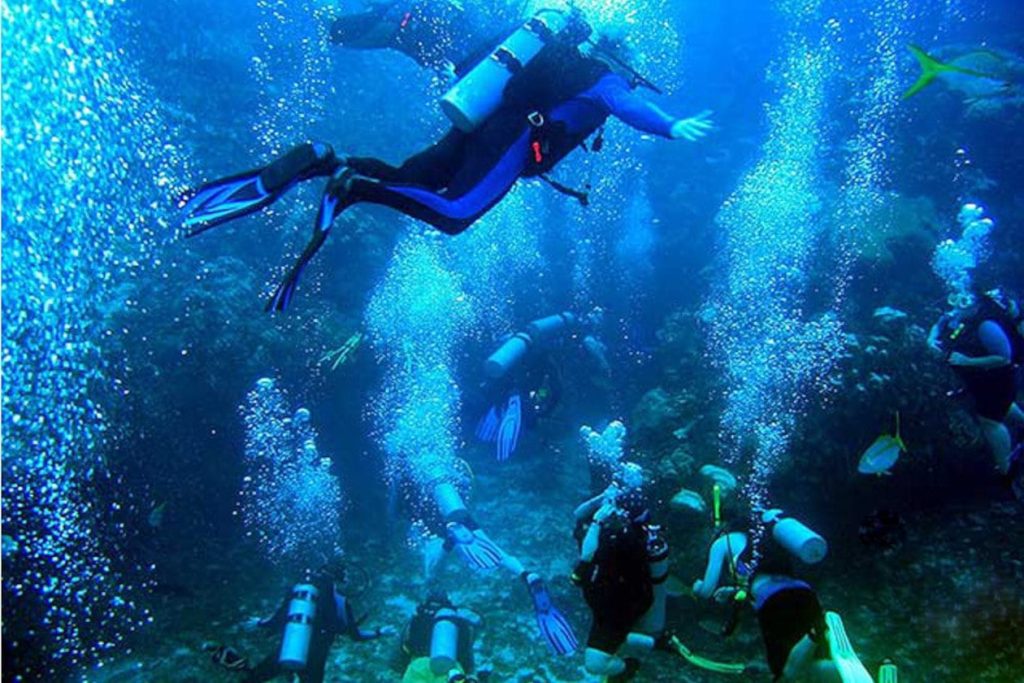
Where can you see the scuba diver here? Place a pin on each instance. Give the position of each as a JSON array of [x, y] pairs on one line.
[[442, 35], [524, 382], [517, 114], [471, 543], [622, 569], [437, 644], [801, 640], [311, 615], [976, 339]]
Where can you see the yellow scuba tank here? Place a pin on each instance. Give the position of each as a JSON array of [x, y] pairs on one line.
[[478, 94], [298, 631]]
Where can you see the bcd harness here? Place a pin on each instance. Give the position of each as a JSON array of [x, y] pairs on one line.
[[541, 132]]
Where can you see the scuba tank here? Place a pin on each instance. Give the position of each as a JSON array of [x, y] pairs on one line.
[[479, 93], [514, 349], [544, 328], [298, 631], [798, 539], [444, 642], [508, 355], [657, 563]]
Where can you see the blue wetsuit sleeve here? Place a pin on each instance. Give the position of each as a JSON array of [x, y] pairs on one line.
[[994, 339], [625, 104]]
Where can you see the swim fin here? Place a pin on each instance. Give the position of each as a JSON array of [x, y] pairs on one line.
[[487, 427], [888, 673], [331, 204], [474, 547], [847, 664], [554, 627], [224, 200], [508, 432]]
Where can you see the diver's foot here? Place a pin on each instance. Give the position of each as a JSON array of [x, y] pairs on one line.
[[332, 202], [308, 160], [1015, 473], [632, 666]]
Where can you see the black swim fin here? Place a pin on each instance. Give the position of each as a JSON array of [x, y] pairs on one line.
[[229, 198], [331, 204]]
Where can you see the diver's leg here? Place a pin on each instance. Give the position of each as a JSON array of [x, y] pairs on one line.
[[223, 200], [800, 659], [462, 204], [316, 662], [601, 663], [998, 437], [1016, 415]]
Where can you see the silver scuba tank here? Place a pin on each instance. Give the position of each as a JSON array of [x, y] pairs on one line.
[[478, 94], [298, 631]]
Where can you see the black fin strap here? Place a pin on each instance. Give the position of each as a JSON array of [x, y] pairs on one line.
[[579, 195]]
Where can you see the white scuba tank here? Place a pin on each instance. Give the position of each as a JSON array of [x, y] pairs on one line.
[[508, 355], [444, 642], [478, 94], [796, 537], [298, 631]]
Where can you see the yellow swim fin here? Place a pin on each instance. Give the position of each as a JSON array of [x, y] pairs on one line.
[[848, 665], [706, 664], [888, 673], [930, 68]]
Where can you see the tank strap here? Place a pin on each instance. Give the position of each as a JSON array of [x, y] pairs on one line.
[[582, 196]]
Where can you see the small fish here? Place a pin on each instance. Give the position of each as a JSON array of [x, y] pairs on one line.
[[689, 499], [883, 453], [156, 515], [975, 74], [720, 476]]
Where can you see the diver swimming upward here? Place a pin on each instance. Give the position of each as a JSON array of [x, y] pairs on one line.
[[517, 114]]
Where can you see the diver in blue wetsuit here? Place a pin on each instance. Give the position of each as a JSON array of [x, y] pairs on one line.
[[548, 107]]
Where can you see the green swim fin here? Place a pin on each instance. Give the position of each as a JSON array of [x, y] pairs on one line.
[[931, 68], [888, 673], [848, 665]]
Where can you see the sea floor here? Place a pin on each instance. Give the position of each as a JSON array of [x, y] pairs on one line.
[[945, 606]]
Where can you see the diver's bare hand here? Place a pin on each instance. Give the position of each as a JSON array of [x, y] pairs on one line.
[[694, 127]]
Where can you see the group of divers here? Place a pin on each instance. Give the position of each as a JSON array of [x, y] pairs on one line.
[[521, 103]]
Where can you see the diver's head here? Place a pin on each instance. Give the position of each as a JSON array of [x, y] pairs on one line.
[[611, 47], [330, 572], [961, 303]]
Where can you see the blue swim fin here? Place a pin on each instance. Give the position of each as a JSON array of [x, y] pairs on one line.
[[224, 200], [508, 431], [487, 427], [554, 627], [331, 204]]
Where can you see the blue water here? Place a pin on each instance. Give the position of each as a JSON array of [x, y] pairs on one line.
[[174, 457]]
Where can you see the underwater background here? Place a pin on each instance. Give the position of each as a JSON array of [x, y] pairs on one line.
[[765, 295]]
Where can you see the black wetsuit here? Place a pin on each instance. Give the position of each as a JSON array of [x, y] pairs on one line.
[[457, 180], [333, 617], [787, 610], [616, 584], [992, 389]]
